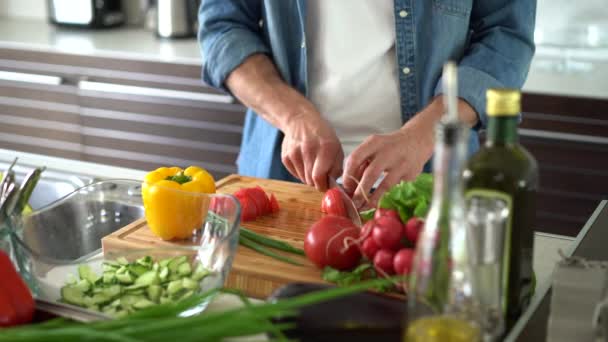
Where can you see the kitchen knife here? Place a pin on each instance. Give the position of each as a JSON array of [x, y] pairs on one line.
[[351, 209]]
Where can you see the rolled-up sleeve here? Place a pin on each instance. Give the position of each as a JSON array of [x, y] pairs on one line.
[[228, 34], [500, 51]]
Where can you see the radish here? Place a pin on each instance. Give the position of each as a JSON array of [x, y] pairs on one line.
[[380, 212], [369, 248], [387, 233], [366, 230], [329, 242], [383, 262], [413, 227], [332, 203], [402, 262]]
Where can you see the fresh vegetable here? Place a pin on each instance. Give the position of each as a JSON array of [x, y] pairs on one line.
[[402, 262], [369, 248], [413, 227], [16, 303], [255, 202], [244, 241], [380, 212], [329, 243], [274, 204], [409, 198], [388, 232], [332, 203], [124, 288], [264, 240], [175, 322], [345, 278], [383, 262], [172, 200]]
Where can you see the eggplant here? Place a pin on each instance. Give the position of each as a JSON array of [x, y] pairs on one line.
[[359, 317]]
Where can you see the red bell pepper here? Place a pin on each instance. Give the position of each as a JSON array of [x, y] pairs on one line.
[[16, 302]]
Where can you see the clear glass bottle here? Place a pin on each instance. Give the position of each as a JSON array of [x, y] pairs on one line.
[[442, 304]]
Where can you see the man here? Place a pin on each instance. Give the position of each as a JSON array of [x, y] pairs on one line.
[[325, 79]]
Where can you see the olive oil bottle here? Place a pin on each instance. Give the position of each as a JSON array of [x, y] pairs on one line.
[[501, 182]]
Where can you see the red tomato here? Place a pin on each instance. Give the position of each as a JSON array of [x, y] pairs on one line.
[[402, 263], [413, 227], [324, 243], [383, 261], [249, 211], [386, 212], [259, 197], [388, 232], [274, 204], [333, 203], [369, 248]]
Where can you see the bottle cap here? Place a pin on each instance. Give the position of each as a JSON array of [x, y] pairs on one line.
[[503, 102]]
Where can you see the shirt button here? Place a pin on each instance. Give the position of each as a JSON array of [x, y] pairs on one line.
[[406, 70], [261, 23], [303, 45], [403, 14]]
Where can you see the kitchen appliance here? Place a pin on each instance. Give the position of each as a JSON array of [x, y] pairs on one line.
[[176, 18], [86, 13]]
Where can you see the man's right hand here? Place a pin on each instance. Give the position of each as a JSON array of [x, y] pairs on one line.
[[311, 150]]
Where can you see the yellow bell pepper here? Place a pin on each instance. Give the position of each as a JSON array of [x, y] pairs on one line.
[[174, 200]]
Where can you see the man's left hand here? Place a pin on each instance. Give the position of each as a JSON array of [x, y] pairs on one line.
[[399, 155]]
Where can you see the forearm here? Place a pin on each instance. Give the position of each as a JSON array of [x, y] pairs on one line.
[[258, 85], [424, 122]]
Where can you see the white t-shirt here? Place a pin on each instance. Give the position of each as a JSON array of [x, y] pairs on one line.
[[352, 67]]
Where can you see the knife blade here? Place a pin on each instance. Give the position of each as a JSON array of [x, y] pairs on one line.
[[351, 209]]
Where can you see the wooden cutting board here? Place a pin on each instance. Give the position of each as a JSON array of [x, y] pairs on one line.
[[253, 273]]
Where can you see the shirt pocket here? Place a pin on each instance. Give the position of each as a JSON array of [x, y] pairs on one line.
[[460, 8]]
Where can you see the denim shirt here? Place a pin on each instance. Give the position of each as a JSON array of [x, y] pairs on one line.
[[492, 41]]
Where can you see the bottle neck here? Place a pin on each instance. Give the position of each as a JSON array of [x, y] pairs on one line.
[[502, 130], [448, 163]]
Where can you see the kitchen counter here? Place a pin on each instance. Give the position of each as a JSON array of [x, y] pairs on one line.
[[554, 71], [125, 42], [546, 245]]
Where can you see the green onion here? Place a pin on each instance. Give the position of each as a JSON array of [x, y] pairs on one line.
[[149, 325], [263, 250], [264, 240]]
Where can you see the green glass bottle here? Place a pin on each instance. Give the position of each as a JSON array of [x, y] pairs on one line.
[[501, 181]]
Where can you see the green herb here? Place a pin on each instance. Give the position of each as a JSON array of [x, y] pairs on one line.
[[264, 240], [244, 241], [367, 214], [409, 198], [345, 278]]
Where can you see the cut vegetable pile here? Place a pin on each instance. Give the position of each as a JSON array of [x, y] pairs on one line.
[[125, 287]]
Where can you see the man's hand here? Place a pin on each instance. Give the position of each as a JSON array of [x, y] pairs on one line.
[[311, 150], [400, 155]]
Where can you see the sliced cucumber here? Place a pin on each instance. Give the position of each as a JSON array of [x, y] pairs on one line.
[[148, 278], [190, 284], [124, 287], [124, 278], [184, 269], [85, 272], [154, 292], [71, 295]]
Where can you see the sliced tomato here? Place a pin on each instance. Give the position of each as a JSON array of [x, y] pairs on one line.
[[249, 211], [261, 198], [274, 204]]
